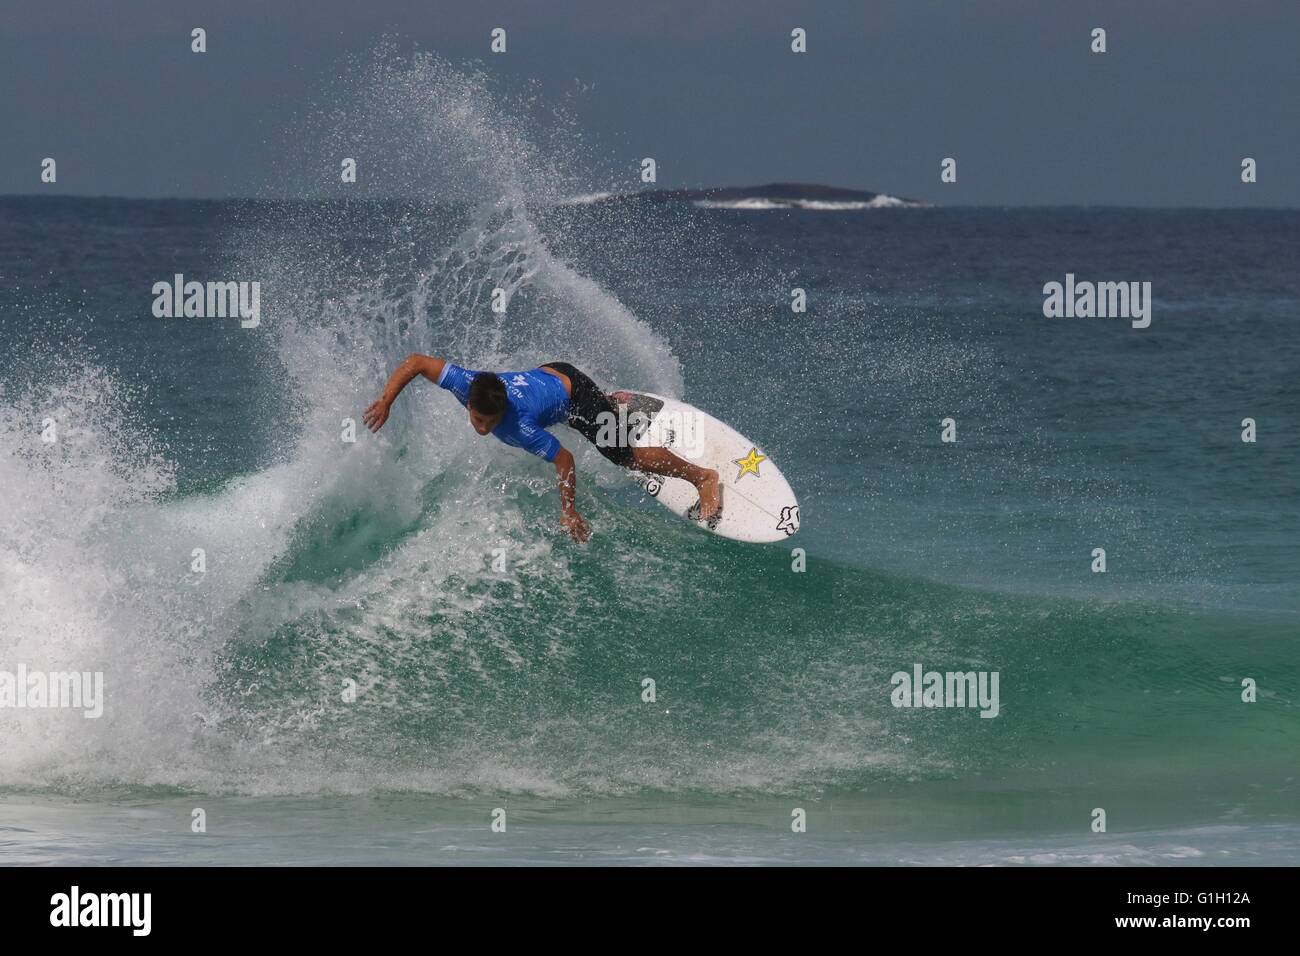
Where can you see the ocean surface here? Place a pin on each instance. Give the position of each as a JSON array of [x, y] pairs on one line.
[[517, 695]]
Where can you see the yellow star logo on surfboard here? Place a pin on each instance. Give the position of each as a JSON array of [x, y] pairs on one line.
[[749, 464]]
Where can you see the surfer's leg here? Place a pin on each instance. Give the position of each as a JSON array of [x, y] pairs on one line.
[[661, 461], [589, 408]]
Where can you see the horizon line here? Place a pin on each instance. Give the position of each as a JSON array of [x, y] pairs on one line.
[[927, 204]]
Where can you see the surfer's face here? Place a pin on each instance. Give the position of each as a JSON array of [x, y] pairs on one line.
[[483, 424]]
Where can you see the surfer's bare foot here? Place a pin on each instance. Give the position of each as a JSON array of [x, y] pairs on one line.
[[710, 495], [621, 398], [661, 461]]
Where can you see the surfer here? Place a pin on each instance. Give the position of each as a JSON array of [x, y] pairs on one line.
[[518, 407]]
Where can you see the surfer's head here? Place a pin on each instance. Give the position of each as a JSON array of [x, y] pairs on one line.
[[487, 402]]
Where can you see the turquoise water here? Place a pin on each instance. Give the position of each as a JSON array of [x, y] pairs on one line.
[[418, 830], [332, 564]]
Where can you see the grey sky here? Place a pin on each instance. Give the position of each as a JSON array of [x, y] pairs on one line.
[[709, 88]]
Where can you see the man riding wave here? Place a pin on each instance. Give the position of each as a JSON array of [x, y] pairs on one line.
[[518, 407]]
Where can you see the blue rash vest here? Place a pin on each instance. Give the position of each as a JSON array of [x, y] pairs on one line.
[[535, 400]]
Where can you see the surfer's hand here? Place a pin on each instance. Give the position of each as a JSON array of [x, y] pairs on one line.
[[573, 523], [376, 415]]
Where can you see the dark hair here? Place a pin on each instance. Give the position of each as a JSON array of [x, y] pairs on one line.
[[487, 394]]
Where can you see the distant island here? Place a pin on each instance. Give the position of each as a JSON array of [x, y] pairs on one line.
[[771, 196]]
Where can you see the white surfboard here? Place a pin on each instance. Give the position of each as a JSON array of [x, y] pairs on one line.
[[757, 503]]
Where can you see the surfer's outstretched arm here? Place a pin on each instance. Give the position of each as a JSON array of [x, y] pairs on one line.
[[413, 365], [567, 476]]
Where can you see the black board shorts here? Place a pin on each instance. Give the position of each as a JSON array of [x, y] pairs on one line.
[[587, 402]]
